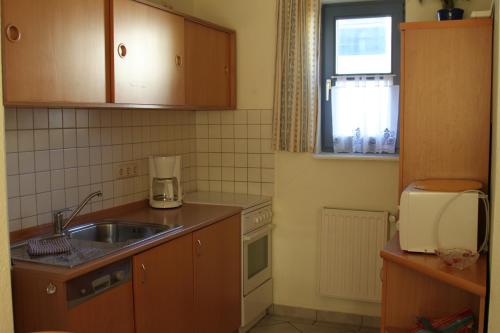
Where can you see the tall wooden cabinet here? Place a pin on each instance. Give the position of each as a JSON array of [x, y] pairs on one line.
[[209, 66], [217, 251], [163, 288], [148, 54], [55, 51], [445, 100]]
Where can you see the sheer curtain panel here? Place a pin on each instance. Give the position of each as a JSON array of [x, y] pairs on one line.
[[365, 115], [296, 85]]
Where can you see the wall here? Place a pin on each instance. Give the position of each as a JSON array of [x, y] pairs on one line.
[[6, 320], [234, 147], [303, 185], [494, 306], [56, 157], [234, 151]]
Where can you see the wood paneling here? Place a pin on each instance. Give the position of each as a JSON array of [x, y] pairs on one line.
[[152, 70], [445, 101], [34, 308], [61, 52], [163, 288], [208, 66], [110, 312], [217, 277]]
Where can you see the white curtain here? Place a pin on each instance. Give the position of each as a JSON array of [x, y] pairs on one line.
[[365, 115]]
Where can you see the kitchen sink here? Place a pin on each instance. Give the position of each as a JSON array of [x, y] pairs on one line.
[[95, 240], [118, 231]]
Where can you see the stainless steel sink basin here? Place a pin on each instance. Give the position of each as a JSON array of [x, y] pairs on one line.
[[118, 231], [95, 240]]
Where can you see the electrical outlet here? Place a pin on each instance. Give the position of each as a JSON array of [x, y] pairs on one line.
[[126, 170]]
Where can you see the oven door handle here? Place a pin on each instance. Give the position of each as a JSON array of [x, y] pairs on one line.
[[258, 232]]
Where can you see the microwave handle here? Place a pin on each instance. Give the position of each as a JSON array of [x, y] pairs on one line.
[[264, 230]]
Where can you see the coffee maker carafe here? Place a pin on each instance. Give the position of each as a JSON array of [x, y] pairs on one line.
[[165, 189]]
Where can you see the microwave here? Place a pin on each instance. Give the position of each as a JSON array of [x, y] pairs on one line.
[[429, 220]]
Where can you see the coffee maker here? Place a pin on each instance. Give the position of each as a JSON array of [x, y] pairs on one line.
[[165, 189]]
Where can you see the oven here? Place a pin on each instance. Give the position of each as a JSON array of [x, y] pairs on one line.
[[257, 261], [256, 270]]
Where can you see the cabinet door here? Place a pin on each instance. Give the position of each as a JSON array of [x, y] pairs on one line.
[[217, 277], [446, 89], [110, 312], [148, 54], [163, 288], [207, 66], [54, 51]]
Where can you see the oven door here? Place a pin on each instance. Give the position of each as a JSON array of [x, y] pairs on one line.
[[257, 266]]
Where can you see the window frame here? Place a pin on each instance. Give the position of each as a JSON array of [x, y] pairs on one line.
[[329, 14]]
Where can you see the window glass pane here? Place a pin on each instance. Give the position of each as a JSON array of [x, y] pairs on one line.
[[363, 45], [257, 256]]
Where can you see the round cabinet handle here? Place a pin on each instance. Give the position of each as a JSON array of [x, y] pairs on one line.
[[13, 33], [226, 69], [178, 61], [51, 289], [122, 50]]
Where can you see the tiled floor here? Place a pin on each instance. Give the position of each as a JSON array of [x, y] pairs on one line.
[[277, 324]]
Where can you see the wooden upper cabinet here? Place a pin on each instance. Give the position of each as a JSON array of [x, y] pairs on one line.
[[445, 100], [209, 66], [148, 55], [163, 288], [54, 51], [217, 277]]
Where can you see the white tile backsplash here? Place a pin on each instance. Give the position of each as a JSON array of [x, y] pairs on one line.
[[56, 157], [41, 137]]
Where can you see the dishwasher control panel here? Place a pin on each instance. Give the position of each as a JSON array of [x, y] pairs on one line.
[[93, 283]]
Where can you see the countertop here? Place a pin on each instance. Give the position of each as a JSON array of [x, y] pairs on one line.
[[191, 216]]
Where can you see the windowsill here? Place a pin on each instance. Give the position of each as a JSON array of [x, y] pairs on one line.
[[357, 157]]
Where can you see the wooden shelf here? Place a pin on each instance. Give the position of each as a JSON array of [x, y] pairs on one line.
[[446, 24], [471, 279]]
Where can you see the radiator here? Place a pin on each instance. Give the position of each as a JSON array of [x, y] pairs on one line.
[[350, 243]]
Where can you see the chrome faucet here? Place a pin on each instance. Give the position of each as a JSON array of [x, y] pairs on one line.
[[60, 225]]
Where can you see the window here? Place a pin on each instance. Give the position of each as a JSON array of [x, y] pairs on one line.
[[360, 76]]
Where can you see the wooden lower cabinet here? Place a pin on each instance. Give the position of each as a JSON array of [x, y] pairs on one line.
[[217, 277], [186, 285], [163, 288], [98, 316], [36, 310], [192, 283]]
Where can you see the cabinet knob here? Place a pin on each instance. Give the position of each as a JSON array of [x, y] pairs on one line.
[[226, 69], [178, 61], [122, 50], [51, 289], [13, 33], [198, 247], [143, 267]]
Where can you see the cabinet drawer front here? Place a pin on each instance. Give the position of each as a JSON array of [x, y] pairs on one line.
[[55, 51], [148, 54]]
